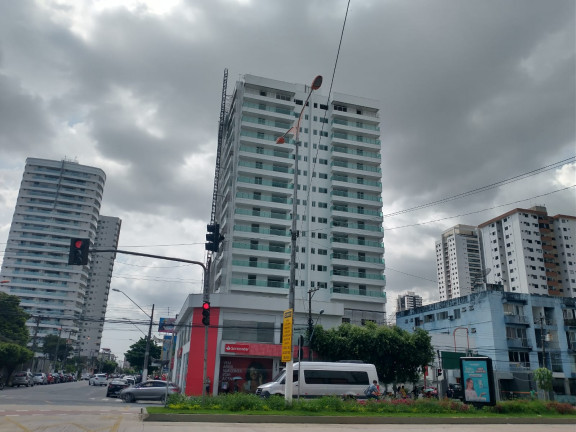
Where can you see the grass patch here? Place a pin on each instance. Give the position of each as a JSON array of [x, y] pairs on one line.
[[249, 404]]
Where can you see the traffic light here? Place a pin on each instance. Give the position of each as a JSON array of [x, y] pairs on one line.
[[439, 372], [206, 313], [78, 251], [213, 238]]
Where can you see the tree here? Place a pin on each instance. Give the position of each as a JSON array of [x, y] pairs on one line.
[[397, 354], [51, 342], [108, 366], [14, 334], [13, 320], [135, 355], [543, 377]]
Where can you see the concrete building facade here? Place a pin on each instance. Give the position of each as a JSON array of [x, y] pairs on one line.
[[519, 332], [408, 301], [530, 252], [57, 201], [458, 262], [339, 249]]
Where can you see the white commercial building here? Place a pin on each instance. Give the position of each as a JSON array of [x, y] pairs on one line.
[[57, 201], [458, 261], [339, 248], [408, 301], [530, 252]]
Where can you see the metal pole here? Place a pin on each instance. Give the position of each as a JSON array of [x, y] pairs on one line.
[[57, 346], [147, 353], [206, 298]]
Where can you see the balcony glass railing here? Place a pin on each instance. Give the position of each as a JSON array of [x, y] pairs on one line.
[[357, 195], [264, 182], [355, 166], [355, 180], [347, 257], [266, 167], [356, 138], [373, 228], [239, 245], [361, 275], [356, 124], [260, 283], [266, 198], [355, 152], [264, 214], [366, 293], [264, 107], [357, 242], [356, 210], [265, 152], [259, 230], [261, 265], [267, 123]]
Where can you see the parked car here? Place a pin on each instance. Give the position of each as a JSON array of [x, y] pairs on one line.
[[130, 379], [116, 386], [85, 376], [23, 378], [53, 378], [149, 390], [98, 379], [40, 378]]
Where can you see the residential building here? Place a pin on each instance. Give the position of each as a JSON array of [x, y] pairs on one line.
[[339, 249], [531, 252], [519, 332], [459, 263], [408, 301], [101, 267], [57, 201]]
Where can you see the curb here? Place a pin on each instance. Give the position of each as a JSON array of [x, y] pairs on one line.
[[234, 418]]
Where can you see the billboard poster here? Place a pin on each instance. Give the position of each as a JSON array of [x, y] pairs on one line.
[[477, 380], [243, 374], [166, 325]]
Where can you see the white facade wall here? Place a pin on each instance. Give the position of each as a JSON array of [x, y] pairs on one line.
[[58, 200], [340, 245], [101, 267], [458, 262], [530, 252]]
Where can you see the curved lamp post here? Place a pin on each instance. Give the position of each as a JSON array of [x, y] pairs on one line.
[[295, 130]]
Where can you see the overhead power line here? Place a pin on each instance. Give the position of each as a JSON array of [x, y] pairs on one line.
[[485, 188]]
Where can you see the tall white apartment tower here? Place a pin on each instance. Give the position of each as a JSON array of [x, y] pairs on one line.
[[530, 252], [58, 200], [458, 262], [340, 265], [101, 267]]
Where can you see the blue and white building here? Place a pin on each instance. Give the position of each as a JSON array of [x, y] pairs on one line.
[[519, 332]]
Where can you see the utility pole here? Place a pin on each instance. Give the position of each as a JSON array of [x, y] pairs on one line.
[[34, 345], [543, 340], [147, 353], [57, 347]]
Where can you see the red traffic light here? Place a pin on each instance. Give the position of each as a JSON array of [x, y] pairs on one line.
[[78, 244], [206, 306]]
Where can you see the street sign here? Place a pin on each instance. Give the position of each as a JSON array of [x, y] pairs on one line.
[[287, 336]]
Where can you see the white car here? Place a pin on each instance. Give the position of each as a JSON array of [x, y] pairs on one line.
[[98, 379], [40, 378]]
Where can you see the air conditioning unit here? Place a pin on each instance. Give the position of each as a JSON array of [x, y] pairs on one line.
[[473, 330]]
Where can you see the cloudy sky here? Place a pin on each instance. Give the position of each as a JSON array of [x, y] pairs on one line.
[[472, 93]]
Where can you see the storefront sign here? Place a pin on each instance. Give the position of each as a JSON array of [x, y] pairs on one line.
[[287, 336], [237, 348]]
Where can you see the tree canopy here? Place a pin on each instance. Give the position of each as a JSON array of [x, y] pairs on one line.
[[51, 342], [14, 334], [135, 355], [399, 356]]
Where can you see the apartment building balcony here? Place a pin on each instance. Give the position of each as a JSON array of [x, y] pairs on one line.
[[257, 167], [359, 142], [251, 230], [354, 168], [282, 112], [357, 154], [262, 216], [363, 126], [347, 275], [266, 249], [518, 343], [356, 182], [340, 210], [356, 244], [516, 319], [345, 259], [281, 287], [277, 200], [353, 197], [262, 267], [570, 322], [251, 148], [359, 227], [344, 293]]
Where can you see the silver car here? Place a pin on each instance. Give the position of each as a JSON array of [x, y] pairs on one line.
[[23, 378], [148, 390], [40, 378]]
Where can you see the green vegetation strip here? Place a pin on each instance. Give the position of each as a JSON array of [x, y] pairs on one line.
[[252, 405]]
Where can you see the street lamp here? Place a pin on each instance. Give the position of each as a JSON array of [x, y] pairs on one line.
[[147, 353], [295, 130]]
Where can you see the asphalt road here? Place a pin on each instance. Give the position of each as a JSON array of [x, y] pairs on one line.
[[77, 407]]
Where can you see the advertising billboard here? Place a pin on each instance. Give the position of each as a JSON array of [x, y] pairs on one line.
[[166, 325], [477, 380]]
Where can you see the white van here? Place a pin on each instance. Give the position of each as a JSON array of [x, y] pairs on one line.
[[314, 379]]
